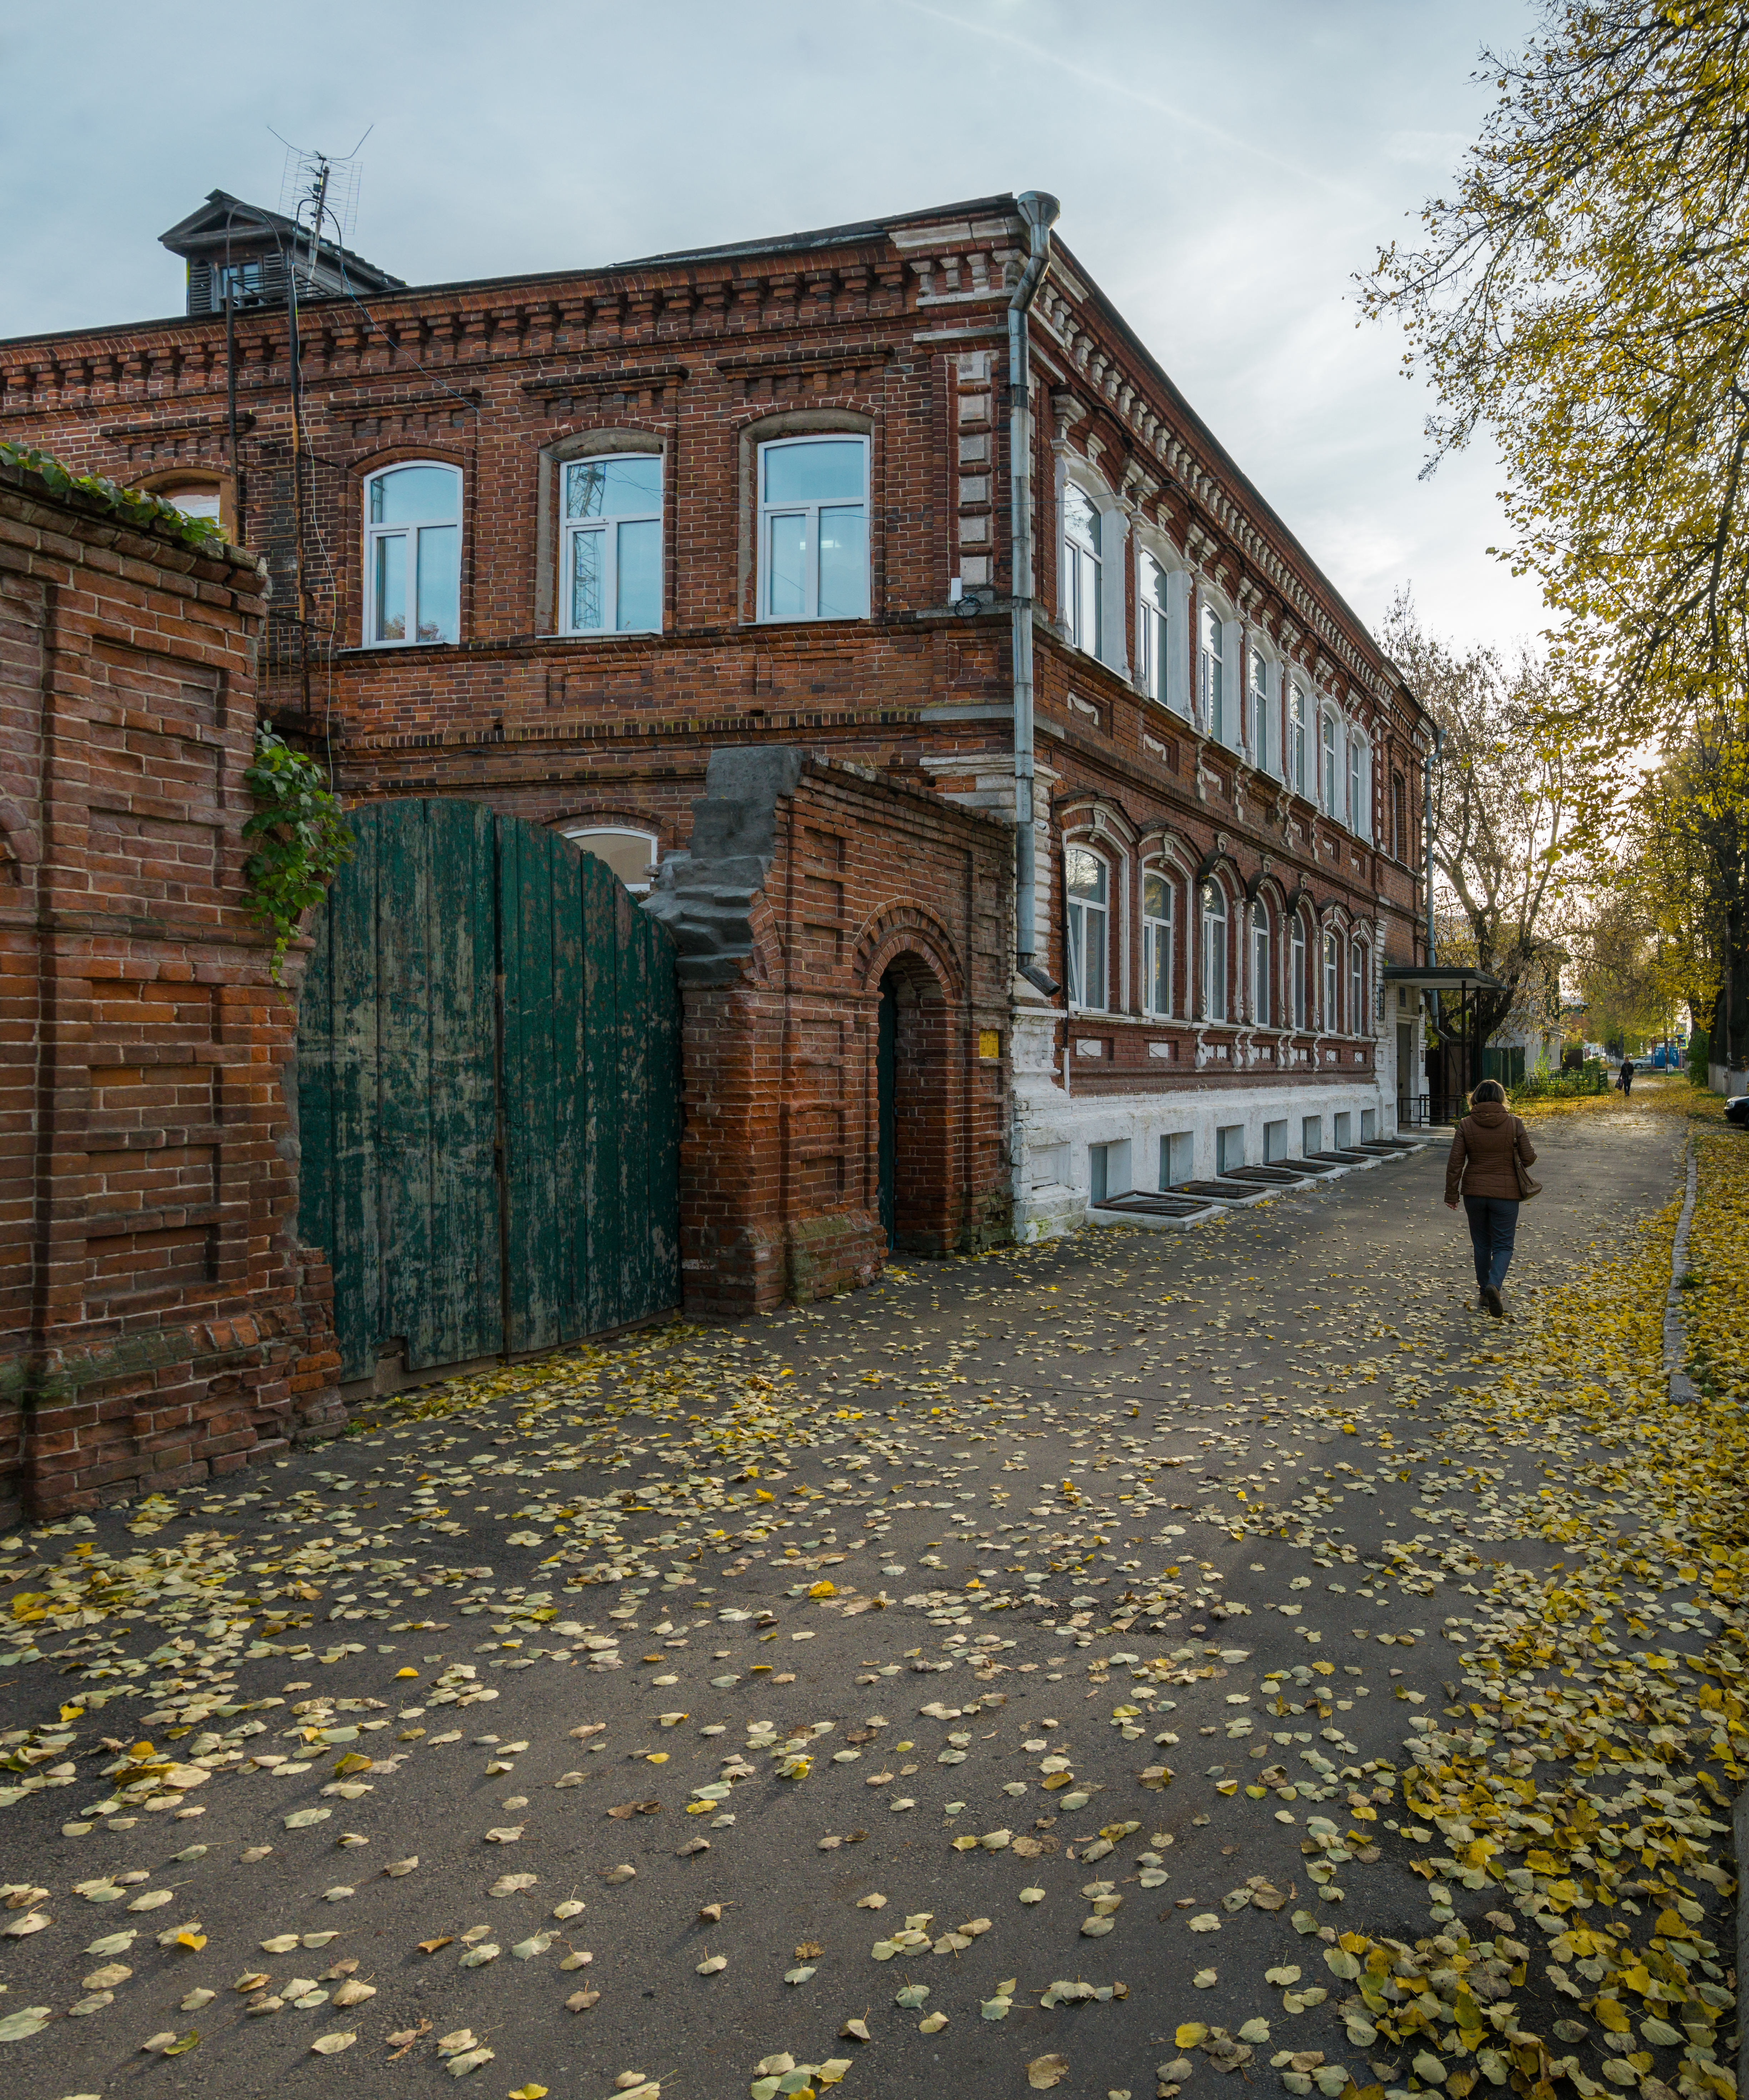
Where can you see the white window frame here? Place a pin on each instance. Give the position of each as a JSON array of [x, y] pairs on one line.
[[1296, 959], [1079, 915], [1153, 629], [1293, 756], [1262, 950], [1358, 774], [579, 835], [409, 529], [810, 510], [1357, 987], [607, 529], [1263, 687], [1213, 958], [1211, 672], [1330, 782], [1082, 582], [1332, 981], [1159, 943]]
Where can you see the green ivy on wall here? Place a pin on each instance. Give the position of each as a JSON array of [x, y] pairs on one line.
[[301, 838], [137, 506]]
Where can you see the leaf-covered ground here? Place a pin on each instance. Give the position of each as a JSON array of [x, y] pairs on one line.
[[1104, 1667]]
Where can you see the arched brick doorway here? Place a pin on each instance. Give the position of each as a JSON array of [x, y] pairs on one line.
[[913, 1070]]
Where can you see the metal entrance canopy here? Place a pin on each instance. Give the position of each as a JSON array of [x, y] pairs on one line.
[[1441, 977]]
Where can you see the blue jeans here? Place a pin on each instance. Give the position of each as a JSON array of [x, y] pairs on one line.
[[1493, 1227]]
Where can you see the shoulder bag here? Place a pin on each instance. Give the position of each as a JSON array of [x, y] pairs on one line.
[[1528, 1185]]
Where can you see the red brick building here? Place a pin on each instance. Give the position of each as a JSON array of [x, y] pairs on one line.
[[549, 542], [157, 1319]]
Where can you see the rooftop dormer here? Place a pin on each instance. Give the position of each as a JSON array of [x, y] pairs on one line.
[[247, 251]]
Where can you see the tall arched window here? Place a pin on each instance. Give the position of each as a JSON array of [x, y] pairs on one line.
[[1214, 951], [1296, 969], [1261, 1007], [1357, 988], [1082, 567], [1357, 788], [1153, 627], [1209, 659], [1296, 712], [1332, 982], [1332, 782], [413, 567], [613, 543], [1088, 932], [814, 528], [1399, 819], [1156, 943], [1264, 736]]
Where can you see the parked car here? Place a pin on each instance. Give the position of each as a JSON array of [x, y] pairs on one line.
[[1737, 1110]]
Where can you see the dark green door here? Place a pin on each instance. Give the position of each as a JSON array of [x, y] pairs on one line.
[[886, 1050], [489, 1093]]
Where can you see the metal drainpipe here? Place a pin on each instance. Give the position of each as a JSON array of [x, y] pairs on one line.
[[1427, 829], [1427, 834], [1040, 211]]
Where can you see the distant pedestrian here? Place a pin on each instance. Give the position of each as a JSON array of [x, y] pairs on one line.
[[1626, 1081], [1483, 1165]]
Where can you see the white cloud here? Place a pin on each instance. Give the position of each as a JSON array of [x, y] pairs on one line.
[[1222, 173]]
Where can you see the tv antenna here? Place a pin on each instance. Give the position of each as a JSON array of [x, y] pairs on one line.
[[319, 192]]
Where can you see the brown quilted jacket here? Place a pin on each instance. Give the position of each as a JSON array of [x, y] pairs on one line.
[[1480, 1162]]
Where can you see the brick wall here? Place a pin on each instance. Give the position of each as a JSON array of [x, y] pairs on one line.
[[157, 1320], [780, 1161]]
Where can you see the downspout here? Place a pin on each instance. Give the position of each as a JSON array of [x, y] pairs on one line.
[[1040, 211], [1427, 839], [1427, 833]]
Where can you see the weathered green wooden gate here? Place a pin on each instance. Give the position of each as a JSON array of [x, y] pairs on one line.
[[488, 1090]]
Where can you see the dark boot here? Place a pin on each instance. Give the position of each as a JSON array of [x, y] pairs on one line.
[[1491, 1300]]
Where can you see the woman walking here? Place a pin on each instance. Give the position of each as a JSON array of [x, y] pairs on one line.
[[1482, 1164]]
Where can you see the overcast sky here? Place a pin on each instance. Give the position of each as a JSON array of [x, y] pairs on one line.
[[1223, 169]]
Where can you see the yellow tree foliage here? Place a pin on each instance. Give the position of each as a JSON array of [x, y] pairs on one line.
[[1583, 299]]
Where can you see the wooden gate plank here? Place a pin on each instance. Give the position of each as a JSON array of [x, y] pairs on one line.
[[473, 974], [354, 1249], [407, 973], [662, 1114], [605, 1105], [525, 908], [463, 1318], [570, 1125]]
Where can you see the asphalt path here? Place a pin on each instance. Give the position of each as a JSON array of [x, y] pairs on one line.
[[1079, 1602]]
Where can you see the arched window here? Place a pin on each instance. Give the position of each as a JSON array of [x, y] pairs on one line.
[[1357, 788], [1156, 943], [1214, 951], [1088, 933], [612, 560], [1264, 737], [1295, 754], [1153, 627], [632, 855], [1399, 819], [1260, 1005], [1331, 781], [1082, 567], [194, 499], [1357, 988], [1332, 982], [412, 565], [1296, 969], [1209, 659], [814, 528]]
